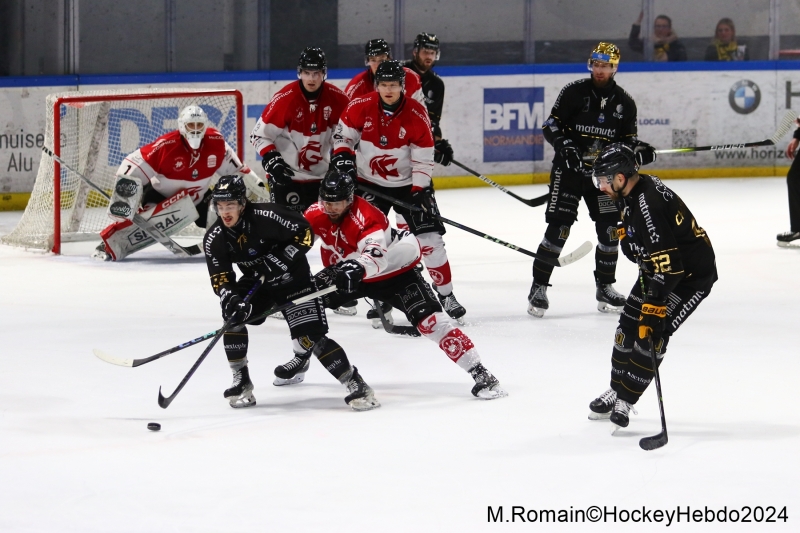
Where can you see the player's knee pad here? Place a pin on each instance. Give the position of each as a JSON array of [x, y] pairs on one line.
[[332, 356], [235, 343], [555, 236], [452, 341], [418, 300]]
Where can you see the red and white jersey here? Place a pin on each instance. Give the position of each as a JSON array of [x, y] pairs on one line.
[[393, 151], [365, 236], [170, 165], [364, 83], [300, 130]]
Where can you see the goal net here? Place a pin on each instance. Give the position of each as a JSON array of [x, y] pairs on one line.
[[96, 130]]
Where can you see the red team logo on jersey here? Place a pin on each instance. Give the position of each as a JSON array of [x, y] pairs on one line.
[[309, 156], [380, 165]]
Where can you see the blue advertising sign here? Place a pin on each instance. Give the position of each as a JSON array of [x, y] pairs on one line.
[[512, 124]]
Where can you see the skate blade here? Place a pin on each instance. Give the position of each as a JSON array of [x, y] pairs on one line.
[[243, 401], [346, 311], [364, 404], [279, 382], [604, 307], [538, 312], [614, 428], [461, 321], [788, 244], [376, 323], [599, 416], [492, 394]]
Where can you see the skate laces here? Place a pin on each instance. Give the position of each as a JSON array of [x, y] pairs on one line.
[[609, 396], [621, 406], [237, 378], [294, 363]]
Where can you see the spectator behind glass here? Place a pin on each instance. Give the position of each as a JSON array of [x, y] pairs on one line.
[[666, 45], [724, 46]]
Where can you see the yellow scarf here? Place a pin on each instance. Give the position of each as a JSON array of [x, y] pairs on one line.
[[726, 52]]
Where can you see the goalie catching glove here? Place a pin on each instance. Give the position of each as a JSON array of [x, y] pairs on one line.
[[234, 308], [349, 276]]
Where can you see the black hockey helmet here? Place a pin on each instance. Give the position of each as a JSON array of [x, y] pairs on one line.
[[390, 70], [376, 47], [229, 188], [336, 186], [616, 158], [428, 41], [312, 58]]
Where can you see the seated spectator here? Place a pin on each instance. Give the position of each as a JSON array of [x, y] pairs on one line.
[[666, 45], [724, 46]]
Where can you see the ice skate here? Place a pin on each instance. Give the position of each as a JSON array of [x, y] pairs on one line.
[[600, 408], [241, 392], [451, 306], [487, 387], [347, 309], [373, 315], [608, 299], [100, 253], [619, 417], [361, 397], [292, 372], [785, 239], [537, 299]]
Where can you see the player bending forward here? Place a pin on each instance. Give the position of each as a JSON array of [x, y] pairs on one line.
[[270, 240], [167, 182], [364, 257], [678, 269]]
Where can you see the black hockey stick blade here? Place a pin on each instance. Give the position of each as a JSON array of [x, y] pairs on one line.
[[533, 202], [148, 228], [655, 442], [408, 331], [783, 128]]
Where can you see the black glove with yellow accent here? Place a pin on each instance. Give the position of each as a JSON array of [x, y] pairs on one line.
[[651, 321]]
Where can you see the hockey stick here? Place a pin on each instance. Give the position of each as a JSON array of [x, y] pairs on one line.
[[119, 361], [145, 225], [783, 128], [408, 331], [565, 260], [656, 441], [533, 202]]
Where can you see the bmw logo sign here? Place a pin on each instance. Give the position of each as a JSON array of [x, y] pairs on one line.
[[744, 97]]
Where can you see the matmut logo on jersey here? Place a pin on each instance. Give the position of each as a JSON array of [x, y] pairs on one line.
[[512, 124]]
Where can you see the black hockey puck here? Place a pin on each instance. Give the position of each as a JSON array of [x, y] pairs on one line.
[[153, 426]]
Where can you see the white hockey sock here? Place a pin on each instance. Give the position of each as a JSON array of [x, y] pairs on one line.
[[452, 341]]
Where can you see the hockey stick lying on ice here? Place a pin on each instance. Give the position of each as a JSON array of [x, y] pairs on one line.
[[783, 128], [119, 361], [533, 202], [145, 225], [565, 260], [408, 331]]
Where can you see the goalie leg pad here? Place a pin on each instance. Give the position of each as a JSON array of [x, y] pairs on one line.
[[126, 199], [170, 216]]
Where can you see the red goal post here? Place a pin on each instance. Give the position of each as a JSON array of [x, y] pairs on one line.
[[96, 130]]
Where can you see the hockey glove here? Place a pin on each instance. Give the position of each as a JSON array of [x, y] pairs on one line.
[[645, 154], [233, 307], [344, 161], [443, 152], [569, 153], [425, 199], [277, 168], [651, 321], [349, 276], [274, 267]]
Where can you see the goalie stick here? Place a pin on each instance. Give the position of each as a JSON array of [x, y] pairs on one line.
[[533, 202], [783, 128], [565, 260], [145, 225], [408, 331], [120, 361]]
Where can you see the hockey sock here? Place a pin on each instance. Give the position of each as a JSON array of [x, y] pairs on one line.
[[606, 252], [333, 358], [639, 372], [236, 344], [452, 341], [555, 236], [435, 258]]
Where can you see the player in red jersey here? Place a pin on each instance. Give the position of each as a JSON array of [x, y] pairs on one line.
[[376, 52], [365, 257], [293, 135], [395, 157], [174, 172]]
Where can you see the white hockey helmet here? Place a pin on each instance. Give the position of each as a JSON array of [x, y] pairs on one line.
[[192, 123]]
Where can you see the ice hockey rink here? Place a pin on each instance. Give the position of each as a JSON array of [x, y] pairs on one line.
[[76, 455]]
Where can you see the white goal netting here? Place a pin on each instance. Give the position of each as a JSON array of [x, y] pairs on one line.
[[96, 130]]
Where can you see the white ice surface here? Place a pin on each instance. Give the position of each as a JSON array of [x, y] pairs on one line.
[[75, 454]]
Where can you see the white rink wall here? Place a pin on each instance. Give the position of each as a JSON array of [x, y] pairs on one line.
[[492, 115]]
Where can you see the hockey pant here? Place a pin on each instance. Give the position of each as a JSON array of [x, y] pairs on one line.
[[793, 189], [169, 215], [631, 364]]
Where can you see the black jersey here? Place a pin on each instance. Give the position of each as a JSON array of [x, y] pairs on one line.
[[661, 232], [433, 91], [262, 229], [592, 117]]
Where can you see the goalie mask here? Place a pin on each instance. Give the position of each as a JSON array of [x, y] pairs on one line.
[[616, 158], [606, 53], [192, 123]]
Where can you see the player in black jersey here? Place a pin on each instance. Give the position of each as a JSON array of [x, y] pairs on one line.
[[271, 240], [588, 115], [678, 269], [425, 53]]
